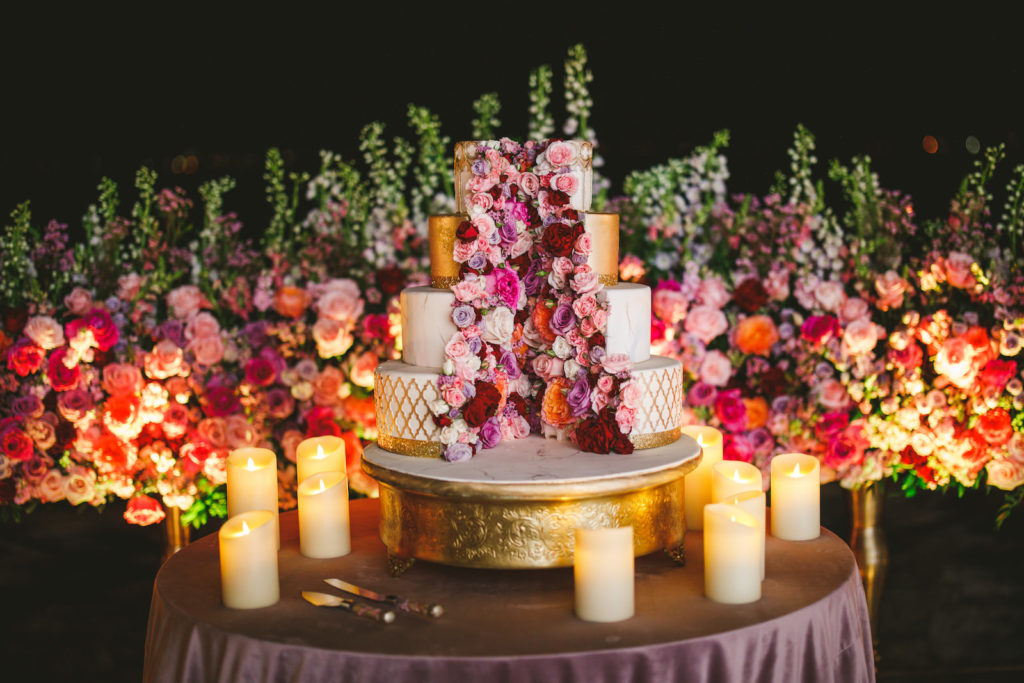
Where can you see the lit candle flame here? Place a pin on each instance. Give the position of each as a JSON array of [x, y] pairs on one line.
[[245, 528], [732, 518], [796, 470], [700, 441], [320, 455], [322, 487], [251, 465], [736, 475]]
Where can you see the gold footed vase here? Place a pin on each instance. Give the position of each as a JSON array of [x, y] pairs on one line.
[[176, 533], [870, 548]]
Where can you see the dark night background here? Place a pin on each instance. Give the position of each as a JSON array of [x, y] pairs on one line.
[[92, 95]]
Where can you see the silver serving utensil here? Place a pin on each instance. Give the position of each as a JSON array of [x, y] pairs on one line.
[[328, 600], [398, 602]]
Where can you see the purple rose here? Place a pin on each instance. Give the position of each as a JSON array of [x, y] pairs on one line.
[[508, 363], [255, 334], [579, 396], [477, 261], [475, 344], [761, 440], [563, 319], [507, 232], [27, 406], [506, 286], [578, 259], [495, 237], [481, 167], [468, 389], [516, 211], [490, 433], [457, 452], [533, 281], [597, 355], [463, 316], [174, 330], [701, 394]]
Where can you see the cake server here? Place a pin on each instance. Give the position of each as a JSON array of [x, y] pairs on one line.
[[328, 600], [401, 603]]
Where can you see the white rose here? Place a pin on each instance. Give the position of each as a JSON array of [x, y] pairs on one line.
[[438, 406], [562, 347], [448, 367], [499, 325], [473, 363], [571, 368], [449, 435], [303, 391], [830, 295]]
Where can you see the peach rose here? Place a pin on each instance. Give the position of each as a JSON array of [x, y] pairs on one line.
[[891, 288], [341, 302], [756, 335], [78, 302], [214, 431], [859, 337], [51, 488], [832, 395], [332, 339], [1005, 474], [954, 361], [555, 407], [560, 154], [46, 332], [712, 292], [80, 485], [239, 433], [854, 308], [166, 360], [362, 373], [291, 302], [705, 322], [757, 412], [201, 325], [215, 467], [566, 182], [121, 379], [327, 387], [207, 350], [669, 305], [128, 286], [958, 270], [290, 441], [716, 368], [830, 295], [185, 300]]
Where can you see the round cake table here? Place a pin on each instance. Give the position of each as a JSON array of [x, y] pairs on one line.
[[511, 625]]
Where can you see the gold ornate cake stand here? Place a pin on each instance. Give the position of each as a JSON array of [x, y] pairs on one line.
[[517, 506]]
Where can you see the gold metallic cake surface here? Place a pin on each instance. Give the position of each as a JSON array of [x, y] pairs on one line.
[[443, 267], [603, 229]]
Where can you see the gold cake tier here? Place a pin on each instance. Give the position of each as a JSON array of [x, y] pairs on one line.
[[444, 270], [517, 506], [604, 238]]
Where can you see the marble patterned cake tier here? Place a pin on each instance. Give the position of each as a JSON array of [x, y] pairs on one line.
[[403, 393], [581, 166], [427, 323]]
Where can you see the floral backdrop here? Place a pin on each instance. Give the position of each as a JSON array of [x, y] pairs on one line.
[[135, 359]]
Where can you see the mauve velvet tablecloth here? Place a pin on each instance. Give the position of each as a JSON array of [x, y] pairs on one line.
[[811, 623]]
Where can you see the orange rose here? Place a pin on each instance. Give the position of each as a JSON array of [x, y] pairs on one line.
[[327, 386], [291, 302], [360, 410], [757, 412], [756, 335], [555, 408], [979, 340], [541, 321]]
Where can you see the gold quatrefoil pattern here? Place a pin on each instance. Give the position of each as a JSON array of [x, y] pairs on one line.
[[402, 404]]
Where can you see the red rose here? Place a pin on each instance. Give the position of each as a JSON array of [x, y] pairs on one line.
[[143, 510], [994, 427], [482, 406], [593, 435], [750, 295], [103, 329], [391, 280], [122, 409], [15, 444], [818, 329], [557, 198], [909, 357], [260, 371], [62, 378], [559, 238], [980, 342], [773, 382], [15, 319], [831, 424], [192, 456], [320, 422], [24, 357], [220, 400], [978, 451], [846, 448], [519, 403], [108, 451], [997, 373]]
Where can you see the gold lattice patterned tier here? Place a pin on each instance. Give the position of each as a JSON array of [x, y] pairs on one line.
[[444, 270], [402, 405]]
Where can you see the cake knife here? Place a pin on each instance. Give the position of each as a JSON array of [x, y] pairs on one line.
[[328, 600], [403, 604]]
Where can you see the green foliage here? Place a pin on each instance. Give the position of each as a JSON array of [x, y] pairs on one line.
[[1011, 501], [486, 123], [386, 174], [211, 502], [284, 204], [578, 102], [542, 123], [20, 280], [433, 171], [802, 161]]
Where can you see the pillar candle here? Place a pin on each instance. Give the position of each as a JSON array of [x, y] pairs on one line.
[[753, 503], [603, 571], [731, 477], [796, 497], [697, 484], [732, 549], [323, 515], [319, 454], [248, 560], [252, 483]]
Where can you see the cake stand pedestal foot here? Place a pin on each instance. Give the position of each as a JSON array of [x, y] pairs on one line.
[[399, 565], [678, 554]]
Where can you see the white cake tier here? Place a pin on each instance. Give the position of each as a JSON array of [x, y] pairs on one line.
[[580, 166], [427, 323], [403, 392]]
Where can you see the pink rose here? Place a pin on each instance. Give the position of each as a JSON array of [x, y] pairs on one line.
[[584, 243], [166, 360], [560, 154], [586, 283], [332, 338], [201, 325], [832, 395], [453, 396], [78, 302], [121, 379], [1005, 474], [891, 288], [46, 332], [342, 304], [464, 251], [456, 347], [128, 286], [854, 308], [80, 485], [731, 410], [859, 337], [614, 363], [716, 369], [215, 467], [548, 367], [364, 369], [958, 270], [529, 183], [705, 323], [566, 182], [830, 295], [631, 394], [584, 306], [625, 417], [213, 430], [737, 447], [327, 386], [185, 300], [51, 488], [669, 305], [562, 266], [480, 202], [207, 350], [469, 290], [712, 292], [598, 400], [239, 433]]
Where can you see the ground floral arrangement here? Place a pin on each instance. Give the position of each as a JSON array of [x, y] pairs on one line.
[[136, 359]]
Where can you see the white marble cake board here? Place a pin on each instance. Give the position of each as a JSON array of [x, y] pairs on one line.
[[538, 460]]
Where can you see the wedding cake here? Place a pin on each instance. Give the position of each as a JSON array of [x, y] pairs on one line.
[[527, 384]]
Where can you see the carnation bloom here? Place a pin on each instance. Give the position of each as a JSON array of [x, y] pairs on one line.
[[555, 407], [954, 361], [756, 335], [144, 510]]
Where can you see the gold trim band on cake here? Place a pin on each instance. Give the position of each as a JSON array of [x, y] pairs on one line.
[[441, 233], [608, 280], [644, 441], [443, 282], [414, 447]]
